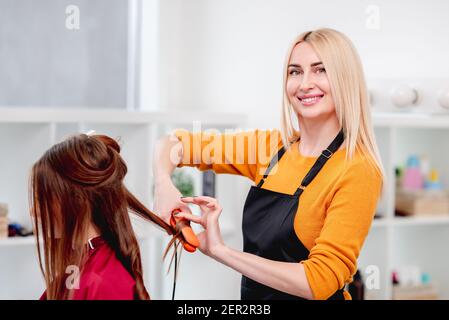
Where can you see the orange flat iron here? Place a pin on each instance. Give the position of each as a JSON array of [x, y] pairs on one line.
[[184, 235], [188, 238]]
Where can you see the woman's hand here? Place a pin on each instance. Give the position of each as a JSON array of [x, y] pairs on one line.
[[210, 239], [166, 199]]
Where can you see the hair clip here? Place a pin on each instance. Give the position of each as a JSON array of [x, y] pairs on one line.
[[90, 243], [90, 133]]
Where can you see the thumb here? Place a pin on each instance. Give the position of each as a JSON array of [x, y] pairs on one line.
[[184, 207]]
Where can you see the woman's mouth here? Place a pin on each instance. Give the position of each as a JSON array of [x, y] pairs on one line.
[[310, 100]]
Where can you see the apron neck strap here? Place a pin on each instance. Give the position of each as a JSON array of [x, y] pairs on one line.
[[321, 161], [317, 166], [273, 162]]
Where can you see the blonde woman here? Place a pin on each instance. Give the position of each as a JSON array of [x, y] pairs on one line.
[[308, 214]]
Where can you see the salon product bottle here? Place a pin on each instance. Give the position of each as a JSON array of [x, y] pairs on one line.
[[413, 179], [433, 181]]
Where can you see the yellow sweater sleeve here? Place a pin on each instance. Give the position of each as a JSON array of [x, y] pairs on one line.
[[242, 153], [333, 259]]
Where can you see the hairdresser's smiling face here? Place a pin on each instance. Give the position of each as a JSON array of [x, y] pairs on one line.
[[308, 87]]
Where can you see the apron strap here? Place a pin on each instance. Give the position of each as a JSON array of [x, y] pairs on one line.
[[317, 166], [273, 162], [322, 159]]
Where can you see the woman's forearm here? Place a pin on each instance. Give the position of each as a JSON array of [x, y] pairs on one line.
[[283, 276], [167, 155]]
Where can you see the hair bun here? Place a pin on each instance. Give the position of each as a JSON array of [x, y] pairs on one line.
[[109, 142]]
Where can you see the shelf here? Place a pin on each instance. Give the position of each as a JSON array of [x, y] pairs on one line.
[[410, 120], [419, 221], [226, 231], [411, 221], [380, 222], [48, 115], [31, 241], [17, 241]]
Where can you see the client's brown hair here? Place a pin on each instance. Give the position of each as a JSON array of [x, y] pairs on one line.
[[77, 182]]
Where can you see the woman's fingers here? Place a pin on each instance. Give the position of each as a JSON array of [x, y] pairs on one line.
[[201, 200], [205, 199], [189, 217], [194, 200], [206, 204]]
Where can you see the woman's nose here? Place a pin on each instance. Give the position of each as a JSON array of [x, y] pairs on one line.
[[306, 83]]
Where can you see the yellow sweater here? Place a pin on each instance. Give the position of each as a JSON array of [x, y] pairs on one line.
[[335, 211]]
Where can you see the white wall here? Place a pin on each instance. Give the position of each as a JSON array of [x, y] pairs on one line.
[[228, 55]]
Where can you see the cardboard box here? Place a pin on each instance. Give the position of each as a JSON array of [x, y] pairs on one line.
[[3, 227], [422, 203], [3, 221], [421, 292], [3, 209]]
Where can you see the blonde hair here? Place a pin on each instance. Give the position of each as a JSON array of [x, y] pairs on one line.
[[349, 92]]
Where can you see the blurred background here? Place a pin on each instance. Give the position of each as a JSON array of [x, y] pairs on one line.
[[137, 69]]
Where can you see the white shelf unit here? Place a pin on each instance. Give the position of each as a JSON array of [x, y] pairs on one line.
[[25, 133], [395, 242]]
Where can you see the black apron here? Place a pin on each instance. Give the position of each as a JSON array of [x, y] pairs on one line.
[[268, 227]]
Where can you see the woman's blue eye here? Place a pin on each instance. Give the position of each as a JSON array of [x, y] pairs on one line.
[[297, 72], [294, 72]]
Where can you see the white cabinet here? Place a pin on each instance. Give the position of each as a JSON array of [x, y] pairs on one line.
[[395, 242]]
